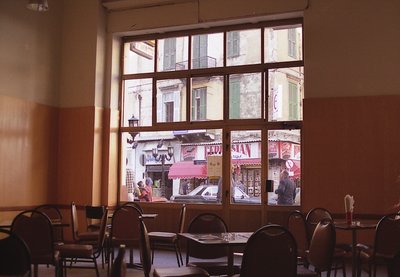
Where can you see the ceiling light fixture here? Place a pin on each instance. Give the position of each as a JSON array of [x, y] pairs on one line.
[[38, 5]]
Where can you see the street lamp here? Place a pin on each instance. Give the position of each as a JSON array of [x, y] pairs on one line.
[[162, 157], [133, 122]]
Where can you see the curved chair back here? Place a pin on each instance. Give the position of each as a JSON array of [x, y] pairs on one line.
[[387, 238], [314, 216], [394, 266], [134, 204], [35, 229], [206, 223], [297, 225], [55, 216], [145, 250], [322, 246], [15, 257], [270, 251], [125, 226]]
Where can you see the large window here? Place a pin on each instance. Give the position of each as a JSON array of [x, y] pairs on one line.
[[214, 116]]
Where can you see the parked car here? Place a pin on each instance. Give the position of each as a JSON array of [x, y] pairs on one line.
[[209, 194]]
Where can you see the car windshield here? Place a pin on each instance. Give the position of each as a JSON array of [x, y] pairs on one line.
[[198, 190]]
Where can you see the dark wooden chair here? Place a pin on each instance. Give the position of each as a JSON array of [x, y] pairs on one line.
[[55, 216], [93, 217], [297, 225], [145, 252]]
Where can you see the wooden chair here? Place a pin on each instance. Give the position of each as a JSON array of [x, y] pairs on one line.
[[270, 251], [208, 223], [134, 204], [15, 259], [77, 235], [322, 246], [55, 216], [314, 216], [168, 240], [145, 252], [124, 230], [119, 266], [93, 217], [297, 226], [36, 230], [77, 253], [386, 245], [394, 266]]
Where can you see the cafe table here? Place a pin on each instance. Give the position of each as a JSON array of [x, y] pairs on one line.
[[354, 227], [230, 239], [54, 222]]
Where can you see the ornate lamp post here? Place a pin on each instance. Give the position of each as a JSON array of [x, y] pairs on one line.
[[162, 157], [133, 122]]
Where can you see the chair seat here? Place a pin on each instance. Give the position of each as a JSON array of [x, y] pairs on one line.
[[179, 272], [88, 236], [215, 268], [76, 250], [305, 272], [163, 236]]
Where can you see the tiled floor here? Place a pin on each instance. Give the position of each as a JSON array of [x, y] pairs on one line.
[[162, 259]]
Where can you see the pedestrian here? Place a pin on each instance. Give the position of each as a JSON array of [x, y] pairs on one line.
[[286, 190]]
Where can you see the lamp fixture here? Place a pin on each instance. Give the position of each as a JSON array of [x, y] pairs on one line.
[[133, 122], [38, 5]]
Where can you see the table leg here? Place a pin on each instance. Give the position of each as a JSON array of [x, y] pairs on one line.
[[230, 261]]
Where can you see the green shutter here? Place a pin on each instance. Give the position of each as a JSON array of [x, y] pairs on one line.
[[234, 99]]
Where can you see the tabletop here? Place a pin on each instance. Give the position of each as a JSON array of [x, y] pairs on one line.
[[230, 238]]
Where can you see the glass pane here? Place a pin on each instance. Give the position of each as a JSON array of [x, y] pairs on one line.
[[207, 50], [172, 54], [207, 98], [284, 167], [286, 93], [138, 101], [171, 100], [246, 167], [243, 47], [139, 57], [283, 43], [245, 96], [184, 166]]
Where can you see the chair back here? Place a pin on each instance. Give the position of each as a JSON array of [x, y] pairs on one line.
[[55, 216], [322, 246], [206, 223], [387, 236], [15, 257], [119, 266], [35, 229], [270, 251], [297, 225], [182, 218], [125, 226], [313, 217], [134, 204], [93, 213], [394, 266], [145, 250], [74, 222]]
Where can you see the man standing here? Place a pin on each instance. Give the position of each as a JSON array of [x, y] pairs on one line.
[[286, 190]]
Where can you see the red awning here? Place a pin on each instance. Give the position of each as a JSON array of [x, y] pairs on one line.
[[250, 161], [187, 170]]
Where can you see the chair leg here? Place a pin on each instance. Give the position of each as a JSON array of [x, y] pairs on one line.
[[180, 253], [95, 266], [177, 255], [152, 252]]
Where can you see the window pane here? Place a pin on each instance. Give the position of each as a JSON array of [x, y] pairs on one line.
[[245, 96], [139, 57], [207, 50], [284, 167], [171, 100], [246, 167], [138, 100], [172, 54], [207, 98], [185, 165], [243, 47], [286, 93], [283, 43]]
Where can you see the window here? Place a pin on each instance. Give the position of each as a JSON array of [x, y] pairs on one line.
[[191, 103], [199, 104], [292, 43], [233, 39]]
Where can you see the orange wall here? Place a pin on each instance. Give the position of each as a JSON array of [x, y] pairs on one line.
[[351, 145]]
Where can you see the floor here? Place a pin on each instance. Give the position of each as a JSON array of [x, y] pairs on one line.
[[162, 259]]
